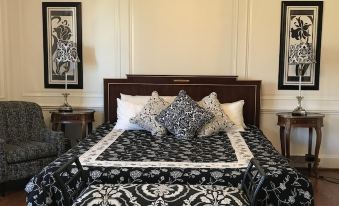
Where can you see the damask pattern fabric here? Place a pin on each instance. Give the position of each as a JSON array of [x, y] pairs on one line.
[[142, 147], [220, 122], [146, 118], [285, 185], [184, 116], [161, 195]]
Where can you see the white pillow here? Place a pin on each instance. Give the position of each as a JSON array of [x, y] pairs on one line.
[[125, 111], [136, 99], [235, 113]]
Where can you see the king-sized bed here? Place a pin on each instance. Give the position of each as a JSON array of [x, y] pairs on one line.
[[136, 156]]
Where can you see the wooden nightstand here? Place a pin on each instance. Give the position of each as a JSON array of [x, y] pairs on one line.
[[83, 117], [313, 120]]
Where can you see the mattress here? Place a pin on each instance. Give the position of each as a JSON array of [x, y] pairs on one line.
[[134, 157]]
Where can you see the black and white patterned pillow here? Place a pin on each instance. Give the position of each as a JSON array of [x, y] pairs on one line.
[[146, 118], [184, 116], [220, 122]]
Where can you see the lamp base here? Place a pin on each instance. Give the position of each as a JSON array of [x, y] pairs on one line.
[[65, 107], [299, 111]]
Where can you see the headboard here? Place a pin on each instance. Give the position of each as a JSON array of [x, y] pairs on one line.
[[228, 88]]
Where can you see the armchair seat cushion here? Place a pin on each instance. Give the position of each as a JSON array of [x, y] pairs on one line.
[[28, 151]]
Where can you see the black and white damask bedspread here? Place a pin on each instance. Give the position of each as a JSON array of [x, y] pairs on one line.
[[133, 157]]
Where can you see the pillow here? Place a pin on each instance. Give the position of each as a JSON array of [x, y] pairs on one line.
[[184, 116], [234, 111], [126, 110], [220, 122], [146, 118], [143, 99]]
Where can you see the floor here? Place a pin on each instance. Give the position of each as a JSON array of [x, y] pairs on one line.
[[326, 193]]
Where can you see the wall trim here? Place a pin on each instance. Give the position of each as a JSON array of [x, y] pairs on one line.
[[3, 24], [306, 97], [248, 35], [131, 37], [52, 108], [117, 34], [235, 36], [327, 161], [244, 28], [274, 111], [125, 39], [58, 94]]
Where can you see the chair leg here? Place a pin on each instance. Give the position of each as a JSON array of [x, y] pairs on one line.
[[3, 189]]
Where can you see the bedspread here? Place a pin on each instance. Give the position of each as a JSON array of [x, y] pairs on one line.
[[136, 157]]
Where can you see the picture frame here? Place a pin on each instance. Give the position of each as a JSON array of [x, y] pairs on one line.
[[300, 21], [62, 22]]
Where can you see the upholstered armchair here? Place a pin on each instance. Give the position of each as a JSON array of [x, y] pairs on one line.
[[26, 144]]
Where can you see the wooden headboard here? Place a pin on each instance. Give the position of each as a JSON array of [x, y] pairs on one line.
[[228, 88]]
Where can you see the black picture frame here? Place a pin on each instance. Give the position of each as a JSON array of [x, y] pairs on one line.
[[297, 16], [61, 20]]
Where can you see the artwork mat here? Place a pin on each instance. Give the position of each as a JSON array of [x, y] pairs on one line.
[[288, 78], [74, 77], [292, 68]]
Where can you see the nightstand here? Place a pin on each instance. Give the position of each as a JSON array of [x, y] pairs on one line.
[[84, 117], [312, 121]]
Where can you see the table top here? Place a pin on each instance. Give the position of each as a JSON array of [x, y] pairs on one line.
[[75, 111], [308, 115]]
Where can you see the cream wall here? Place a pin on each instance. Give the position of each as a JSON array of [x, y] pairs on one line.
[[220, 37], [105, 52]]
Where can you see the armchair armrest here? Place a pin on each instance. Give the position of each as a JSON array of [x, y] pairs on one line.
[[2, 160], [54, 137]]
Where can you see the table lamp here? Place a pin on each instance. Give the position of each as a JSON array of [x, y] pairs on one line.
[[66, 54], [301, 55]]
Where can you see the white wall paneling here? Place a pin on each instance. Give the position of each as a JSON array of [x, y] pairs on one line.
[[219, 37], [105, 51], [184, 36], [3, 47], [243, 29]]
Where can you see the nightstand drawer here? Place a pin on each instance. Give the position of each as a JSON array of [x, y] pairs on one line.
[[304, 121]]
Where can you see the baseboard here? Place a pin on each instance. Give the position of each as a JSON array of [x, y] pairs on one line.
[[329, 169], [327, 162]]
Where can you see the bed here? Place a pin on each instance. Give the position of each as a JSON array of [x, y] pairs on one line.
[[115, 156]]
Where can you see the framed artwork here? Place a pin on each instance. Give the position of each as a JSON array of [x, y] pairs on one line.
[[301, 22], [62, 23]]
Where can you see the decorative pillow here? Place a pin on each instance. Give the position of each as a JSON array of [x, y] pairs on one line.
[[146, 118], [126, 110], [136, 99], [234, 111], [220, 122], [184, 116]]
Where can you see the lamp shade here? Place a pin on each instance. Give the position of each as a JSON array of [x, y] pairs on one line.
[[301, 54], [66, 52]]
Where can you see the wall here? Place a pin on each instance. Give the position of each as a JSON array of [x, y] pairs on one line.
[[221, 37], [21, 72]]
